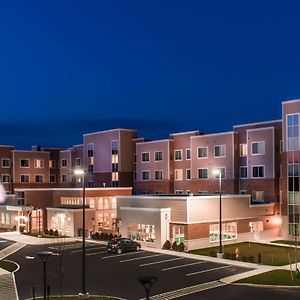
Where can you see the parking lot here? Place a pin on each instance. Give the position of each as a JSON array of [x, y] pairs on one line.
[[117, 275]]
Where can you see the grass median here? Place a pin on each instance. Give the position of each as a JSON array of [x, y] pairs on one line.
[[275, 277], [8, 265], [255, 253]]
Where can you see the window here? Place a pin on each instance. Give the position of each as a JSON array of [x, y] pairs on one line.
[[135, 176], [178, 174], [114, 147], [229, 231], [39, 178], [257, 196], [63, 178], [158, 175], [178, 192], [141, 232], [145, 156], [258, 171], [52, 164], [243, 172], [188, 174], [220, 150], [115, 176], [78, 162], [293, 170], [202, 173], [64, 163], [24, 163], [243, 150], [145, 175], [258, 148], [21, 198], [5, 178], [223, 172], [158, 156], [5, 162], [39, 163], [188, 154], [292, 132], [90, 168], [202, 152], [52, 178], [90, 150], [24, 178], [178, 154]]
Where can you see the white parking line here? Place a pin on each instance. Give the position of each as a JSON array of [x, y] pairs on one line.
[[208, 270], [117, 255], [96, 253], [88, 249], [143, 257], [161, 261], [186, 265]]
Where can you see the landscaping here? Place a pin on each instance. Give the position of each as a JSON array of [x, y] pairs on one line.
[[77, 297], [275, 277], [255, 253], [8, 265], [286, 242]]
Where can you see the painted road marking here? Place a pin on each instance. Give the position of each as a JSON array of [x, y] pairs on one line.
[[96, 253], [161, 261], [117, 255], [207, 270], [143, 257], [186, 265], [88, 249]]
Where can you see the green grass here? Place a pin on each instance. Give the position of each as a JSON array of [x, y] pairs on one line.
[[8, 265], [270, 254], [286, 242], [275, 277]]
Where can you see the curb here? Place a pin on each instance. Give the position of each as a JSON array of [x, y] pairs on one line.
[[267, 285]]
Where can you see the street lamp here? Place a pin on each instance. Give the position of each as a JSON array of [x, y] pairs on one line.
[[44, 255], [219, 173], [147, 282], [81, 172]]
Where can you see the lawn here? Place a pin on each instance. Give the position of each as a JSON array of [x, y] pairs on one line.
[[249, 252], [286, 242], [275, 277], [8, 265]]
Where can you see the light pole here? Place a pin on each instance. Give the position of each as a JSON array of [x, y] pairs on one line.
[[219, 173], [147, 282], [82, 173], [44, 255]]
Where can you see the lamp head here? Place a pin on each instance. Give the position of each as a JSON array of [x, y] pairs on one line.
[[78, 172]]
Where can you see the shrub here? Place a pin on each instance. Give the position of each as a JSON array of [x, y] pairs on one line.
[[251, 258], [167, 245], [213, 253], [101, 236], [105, 235], [51, 232], [97, 236], [56, 233], [110, 237], [46, 231], [181, 247], [174, 246]]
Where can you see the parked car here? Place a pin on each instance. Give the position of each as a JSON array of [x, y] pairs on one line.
[[120, 245]]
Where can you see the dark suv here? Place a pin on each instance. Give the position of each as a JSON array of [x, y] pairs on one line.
[[120, 245]]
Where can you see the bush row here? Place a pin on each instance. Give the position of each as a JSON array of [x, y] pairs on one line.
[[103, 236], [232, 256], [176, 247], [52, 232]]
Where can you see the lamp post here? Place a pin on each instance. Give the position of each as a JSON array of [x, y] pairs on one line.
[[147, 283], [219, 173], [44, 255], [82, 173]]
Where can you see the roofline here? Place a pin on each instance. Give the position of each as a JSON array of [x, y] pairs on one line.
[[31, 151], [212, 134], [257, 123], [290, 101], [110, 130], [186, 132], [157, 141], [72, 189]]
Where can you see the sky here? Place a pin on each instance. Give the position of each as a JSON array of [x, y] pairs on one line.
[[74, 67]]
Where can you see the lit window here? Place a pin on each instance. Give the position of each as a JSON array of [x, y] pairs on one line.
[[39, 163], [243, 150], [52, 164], [293, 132], [178, 174]]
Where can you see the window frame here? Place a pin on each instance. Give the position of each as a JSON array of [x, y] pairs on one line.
[[220, 156]]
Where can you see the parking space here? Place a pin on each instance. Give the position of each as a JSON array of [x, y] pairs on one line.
[[5, 243], [117, 274]]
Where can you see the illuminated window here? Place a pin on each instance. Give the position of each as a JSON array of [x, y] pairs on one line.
[[178, 174], [52, 164], [158, 175], [229, 232], [5, 162], [115, 158], [243, 150], [39, 163], [141, 232], [292, 129]]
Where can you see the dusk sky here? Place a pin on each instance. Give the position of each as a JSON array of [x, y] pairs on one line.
[[74, 67]]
